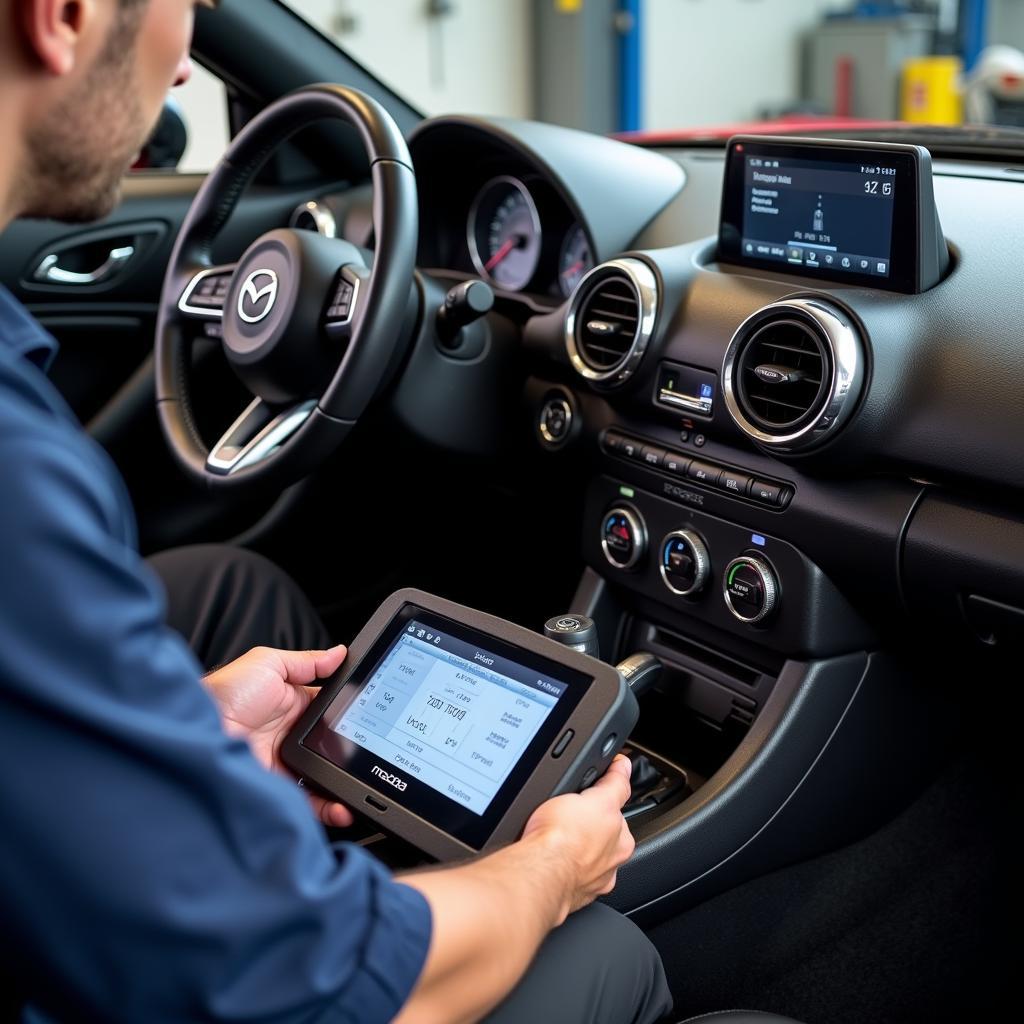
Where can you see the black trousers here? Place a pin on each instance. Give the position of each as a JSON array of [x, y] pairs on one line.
[[598, 968]]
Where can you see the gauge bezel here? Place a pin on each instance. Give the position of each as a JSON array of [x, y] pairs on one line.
[[471, 224], [576, 226]]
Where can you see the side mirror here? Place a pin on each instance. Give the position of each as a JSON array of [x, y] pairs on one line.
[[167, 144]]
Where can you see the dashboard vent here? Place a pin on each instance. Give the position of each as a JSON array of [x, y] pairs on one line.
[[782, 375], [793, 373], [611, 320], [609, 317]]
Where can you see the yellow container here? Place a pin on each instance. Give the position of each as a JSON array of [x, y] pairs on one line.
[[931, 91]]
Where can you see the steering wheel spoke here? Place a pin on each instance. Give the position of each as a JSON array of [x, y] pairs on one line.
[[205, 294], [256, 435]]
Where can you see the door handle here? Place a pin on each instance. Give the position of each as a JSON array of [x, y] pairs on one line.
[[50, 271]]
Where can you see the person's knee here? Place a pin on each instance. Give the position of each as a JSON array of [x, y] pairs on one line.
[[631, 965]]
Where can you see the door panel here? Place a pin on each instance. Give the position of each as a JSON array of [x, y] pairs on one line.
[[106, 327]]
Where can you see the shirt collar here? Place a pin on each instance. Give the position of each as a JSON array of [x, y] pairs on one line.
[[21, 333]]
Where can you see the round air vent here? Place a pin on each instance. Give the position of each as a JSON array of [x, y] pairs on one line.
[[793, 373], [611, 321]]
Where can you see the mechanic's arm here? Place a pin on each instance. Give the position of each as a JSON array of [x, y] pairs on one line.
[[490, 916]]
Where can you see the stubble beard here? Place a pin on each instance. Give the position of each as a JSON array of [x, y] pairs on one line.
[[79, 153]]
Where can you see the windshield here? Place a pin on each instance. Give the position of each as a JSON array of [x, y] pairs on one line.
[[685, 68]]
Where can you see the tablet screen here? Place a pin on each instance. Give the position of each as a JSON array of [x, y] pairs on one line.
[[453, 715], [447, 721]]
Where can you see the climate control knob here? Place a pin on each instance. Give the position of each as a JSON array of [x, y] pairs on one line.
[[751, 589], [623, 537], [685, 563]]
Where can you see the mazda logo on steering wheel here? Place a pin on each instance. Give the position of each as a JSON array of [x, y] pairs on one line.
[[258, 295]]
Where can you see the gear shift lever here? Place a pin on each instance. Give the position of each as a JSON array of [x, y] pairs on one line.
[[641, 671], [575, 631]]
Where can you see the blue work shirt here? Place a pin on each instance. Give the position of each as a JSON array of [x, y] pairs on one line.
[[150, 868]]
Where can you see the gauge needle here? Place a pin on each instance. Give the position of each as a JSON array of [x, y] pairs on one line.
[[512, 243], [574, 269]]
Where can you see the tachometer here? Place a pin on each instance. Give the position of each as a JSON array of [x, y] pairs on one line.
[[504, 233], [576, 260]]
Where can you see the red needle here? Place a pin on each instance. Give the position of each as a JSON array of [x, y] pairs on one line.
[[511, 244], [575, 268]]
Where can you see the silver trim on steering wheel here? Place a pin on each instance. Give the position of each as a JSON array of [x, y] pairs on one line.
[[203, 312], [255, 435]]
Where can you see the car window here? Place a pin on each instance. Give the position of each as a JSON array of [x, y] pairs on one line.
[[194, 130], [668, 66]]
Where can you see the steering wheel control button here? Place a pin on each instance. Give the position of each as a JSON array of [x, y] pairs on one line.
[[623, 537], [555, 423], [704, 472], [734, 483], [589, 778], [751, 589], [609, 745], [685, 563], [560, 746], [206, 294]]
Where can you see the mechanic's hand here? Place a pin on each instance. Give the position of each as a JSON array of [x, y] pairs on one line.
[[588, 832], [260, 697]]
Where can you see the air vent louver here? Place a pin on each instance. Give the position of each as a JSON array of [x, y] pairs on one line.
[[793, 373], [611, 321], [608, 320], [782, 375]]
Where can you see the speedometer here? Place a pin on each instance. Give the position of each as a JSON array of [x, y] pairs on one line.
[[576, 260], [504, 233]]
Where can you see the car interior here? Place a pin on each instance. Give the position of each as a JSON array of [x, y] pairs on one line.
[[545, 372]]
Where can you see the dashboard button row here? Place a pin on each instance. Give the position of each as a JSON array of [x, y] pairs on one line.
[[711, 474]]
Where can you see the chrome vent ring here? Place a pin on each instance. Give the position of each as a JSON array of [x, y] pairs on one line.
[[611, 320], [793, 373]]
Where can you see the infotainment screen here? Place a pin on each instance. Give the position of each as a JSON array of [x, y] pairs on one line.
[[448, 713], [845, 211]]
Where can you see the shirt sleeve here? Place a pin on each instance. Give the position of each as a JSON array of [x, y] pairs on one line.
[[150, 868]]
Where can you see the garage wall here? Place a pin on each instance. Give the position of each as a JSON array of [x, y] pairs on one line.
[[476, 60], [720, 61]]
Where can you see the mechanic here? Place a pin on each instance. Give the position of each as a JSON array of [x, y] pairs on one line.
[[156, 865]]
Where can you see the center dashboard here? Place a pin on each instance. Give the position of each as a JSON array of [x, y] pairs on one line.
[[776, 400]]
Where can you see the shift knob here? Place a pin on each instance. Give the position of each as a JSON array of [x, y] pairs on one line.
[[575, 631], [464, 304]]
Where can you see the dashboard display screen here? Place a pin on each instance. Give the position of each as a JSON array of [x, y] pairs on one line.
[[815, 215], [446, 721], [829, 211]]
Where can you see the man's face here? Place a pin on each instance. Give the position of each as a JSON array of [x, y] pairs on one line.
[[81, 147]]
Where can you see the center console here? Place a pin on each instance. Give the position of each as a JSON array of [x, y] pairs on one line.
[[721, 394]]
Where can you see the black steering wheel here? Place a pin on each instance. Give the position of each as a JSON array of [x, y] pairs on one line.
[[307, 325]]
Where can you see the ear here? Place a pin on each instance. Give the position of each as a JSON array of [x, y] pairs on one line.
[[54, 29]]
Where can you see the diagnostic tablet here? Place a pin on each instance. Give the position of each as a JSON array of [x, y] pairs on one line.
[[449, 727]]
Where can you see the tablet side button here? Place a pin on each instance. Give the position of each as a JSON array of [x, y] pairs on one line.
[[562, 743]]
